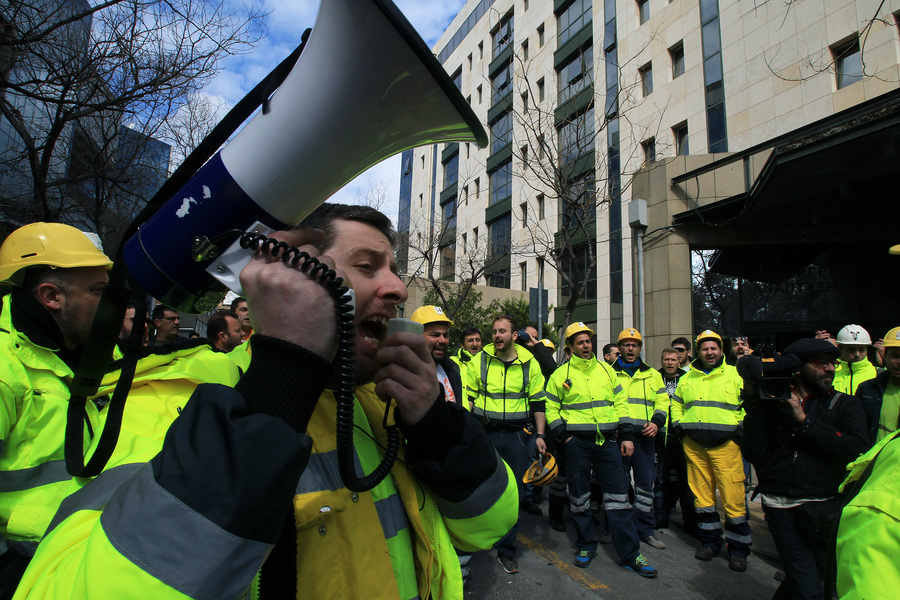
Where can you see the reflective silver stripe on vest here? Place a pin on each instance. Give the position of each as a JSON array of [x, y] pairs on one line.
[[509, 417], [618, 389], [714, 404], [592, 426], [322, 474], [504, 395], [26, 479], [708, 426], [523, 393], [482, 499], [95, 495], [640, 401], [185, 551], [677, 398], [392, 515]]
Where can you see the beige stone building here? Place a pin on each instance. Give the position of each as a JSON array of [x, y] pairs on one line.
[[742, 158]]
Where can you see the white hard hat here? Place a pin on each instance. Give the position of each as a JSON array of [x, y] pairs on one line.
[[853, 335]]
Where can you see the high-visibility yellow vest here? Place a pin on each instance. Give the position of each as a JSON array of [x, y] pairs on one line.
[[503, 394], [848, 376], [645, 395], [707, 406], [584, 396]]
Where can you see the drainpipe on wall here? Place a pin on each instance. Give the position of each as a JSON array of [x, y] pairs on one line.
[[637, 219]]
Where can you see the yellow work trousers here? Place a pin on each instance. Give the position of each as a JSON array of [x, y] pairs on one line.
[[720, 467]]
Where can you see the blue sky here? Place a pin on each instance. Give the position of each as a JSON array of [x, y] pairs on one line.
[[286, 22]]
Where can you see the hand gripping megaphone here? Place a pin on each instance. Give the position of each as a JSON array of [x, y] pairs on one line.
[[364, 88]]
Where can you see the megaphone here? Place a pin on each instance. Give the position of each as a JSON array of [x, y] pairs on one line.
[[364, 88]]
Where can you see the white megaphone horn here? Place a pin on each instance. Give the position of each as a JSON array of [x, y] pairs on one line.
[[364, 88]]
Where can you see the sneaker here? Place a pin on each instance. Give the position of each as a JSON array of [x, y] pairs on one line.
[[509, 564], [640, 566], [532, 509], [654, 542], [584, 557], [737, 563], [557, 524], [705, 553]]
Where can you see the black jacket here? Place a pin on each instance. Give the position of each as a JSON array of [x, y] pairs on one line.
[[455, 378], [805, 460], [871, 394], [544, 358]]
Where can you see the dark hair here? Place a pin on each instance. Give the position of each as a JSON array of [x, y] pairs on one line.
[[193, 334], [159, 311], [237, 300], [607, 348], [510, 318], [324, 217], [683, 341], [470, 330], [218, 323]]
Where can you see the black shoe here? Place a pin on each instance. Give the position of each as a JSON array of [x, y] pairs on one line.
[[556, 524], [532, 509], [737, 563], [706, 553]]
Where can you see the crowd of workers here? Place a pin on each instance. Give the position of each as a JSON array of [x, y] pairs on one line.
[[224, 479]]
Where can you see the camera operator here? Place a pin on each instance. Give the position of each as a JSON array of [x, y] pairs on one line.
[[800, 439]]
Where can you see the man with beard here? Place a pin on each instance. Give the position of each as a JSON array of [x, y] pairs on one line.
[[706, 413], [505, 387], [587, 415], [800, 447], [239, 307], [247, 475], [437, 338], [644, 394], [223, 331], [53, 276]]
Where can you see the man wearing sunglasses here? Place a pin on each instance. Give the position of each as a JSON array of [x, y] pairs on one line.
[[800, 447], [682, 346]]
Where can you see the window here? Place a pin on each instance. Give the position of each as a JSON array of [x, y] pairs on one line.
[[457, 79], [478, 91], [451, 171], [525, 50], [540, 32], [421, 201], [576, 74], [572, 20], [499, 236], [526, 6], [480, 50], [501, 183], [649, 147], [465, 194], [448, 261], [465, 237], [540, 203], [576, 137], [676, 53], [848, 63], [478, 187], [470, 61], [524, 209], [680, 134], [449, 213], [540, 87], [523, 152], [475, 237], [643, 7], [503, 35], [577, 270], [579, 206], [423, 161], [502, 83], [646, 73], [500, 279], [524, 100], [501, 132], [523, 276]]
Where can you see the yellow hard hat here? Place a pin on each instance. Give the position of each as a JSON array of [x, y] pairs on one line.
[[48, 245], [630, 334], [709, 334], [542, 471], [577, 328], [430, 314], [548, 343], [892, 338]]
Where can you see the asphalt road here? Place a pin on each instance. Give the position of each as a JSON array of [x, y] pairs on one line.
[[546, 570]]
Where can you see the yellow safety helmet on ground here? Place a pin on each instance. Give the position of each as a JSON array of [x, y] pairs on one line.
[[577, 328], [542, 471], [48, 245], [430, 314], [892, 338], [630, 334], [548, 344], [709, 334]]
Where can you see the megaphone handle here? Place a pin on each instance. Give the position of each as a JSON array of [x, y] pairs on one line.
[[345, 361]]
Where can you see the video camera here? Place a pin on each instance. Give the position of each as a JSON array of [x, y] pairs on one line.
[[770, 372]]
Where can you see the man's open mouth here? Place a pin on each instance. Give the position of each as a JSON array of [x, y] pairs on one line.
[[373, 329]]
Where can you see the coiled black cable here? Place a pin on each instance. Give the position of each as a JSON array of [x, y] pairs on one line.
[[345, 362]]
